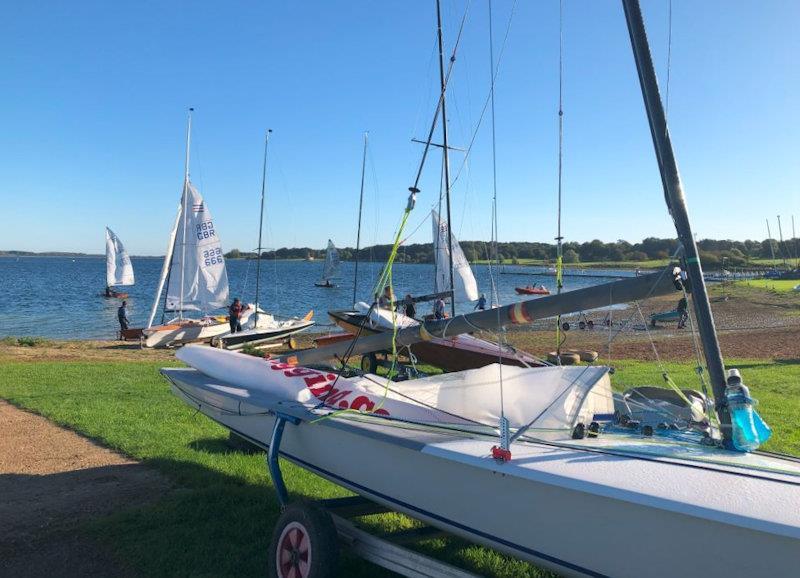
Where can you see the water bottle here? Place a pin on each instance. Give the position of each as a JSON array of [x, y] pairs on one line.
[[749, 430]]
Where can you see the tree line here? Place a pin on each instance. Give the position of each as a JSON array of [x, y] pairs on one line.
[[712, 252]]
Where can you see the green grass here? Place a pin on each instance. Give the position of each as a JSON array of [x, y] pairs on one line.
[[776, 385], [775, 285], [218, 519]]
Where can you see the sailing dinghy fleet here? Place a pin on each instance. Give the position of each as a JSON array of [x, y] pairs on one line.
[[547, 464]]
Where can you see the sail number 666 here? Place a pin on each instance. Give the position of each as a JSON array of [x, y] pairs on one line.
[[213, 257]]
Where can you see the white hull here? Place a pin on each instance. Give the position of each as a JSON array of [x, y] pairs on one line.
[[183, 334], [574, 508]]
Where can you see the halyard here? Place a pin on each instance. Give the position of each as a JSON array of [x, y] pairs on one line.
[[218, 517]]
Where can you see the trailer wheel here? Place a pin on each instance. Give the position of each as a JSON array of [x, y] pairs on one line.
[[292, 343], [304, 543], [369, 363]]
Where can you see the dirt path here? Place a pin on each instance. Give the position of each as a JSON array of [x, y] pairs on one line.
[[51, 481]]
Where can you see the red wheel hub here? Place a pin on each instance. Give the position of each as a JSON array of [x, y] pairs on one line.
[[294, 552]]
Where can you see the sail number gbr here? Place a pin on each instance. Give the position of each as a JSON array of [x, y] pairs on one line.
[[213, 257], [205, 230]]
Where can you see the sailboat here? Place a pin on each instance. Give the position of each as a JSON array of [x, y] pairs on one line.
[[552, 475], [119, 270], [331, 267], [454, 353], [194, 274], [266, 328]]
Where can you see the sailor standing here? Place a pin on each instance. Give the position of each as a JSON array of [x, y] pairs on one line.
[[122, 316], [235, 315]]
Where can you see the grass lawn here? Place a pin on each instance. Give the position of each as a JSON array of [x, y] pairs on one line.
[[218, 520], [777, 285]]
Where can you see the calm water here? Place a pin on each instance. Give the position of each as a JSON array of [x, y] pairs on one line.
[[59, 297]]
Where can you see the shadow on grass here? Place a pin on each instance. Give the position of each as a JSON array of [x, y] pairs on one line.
[[222, 526], [766, 363]]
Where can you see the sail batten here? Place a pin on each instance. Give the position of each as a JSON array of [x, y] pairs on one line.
[[465, 287], [119, 270], [205, 279]]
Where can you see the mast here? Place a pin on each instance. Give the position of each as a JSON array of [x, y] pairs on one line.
[[794, 242], [769, 240], [781, 245], [165, 268], [445, 153], [261, 223], [676, 203], [183, 202], [360, 205]]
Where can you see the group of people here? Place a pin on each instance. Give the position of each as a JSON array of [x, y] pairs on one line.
[[408, 306], [235, 311]]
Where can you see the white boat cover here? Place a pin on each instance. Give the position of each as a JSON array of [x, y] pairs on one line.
[[205, 279], [119, 270], [551, 398], [331, 268], [465, 287]]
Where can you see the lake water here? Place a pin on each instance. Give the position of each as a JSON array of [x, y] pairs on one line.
[[58, 297]]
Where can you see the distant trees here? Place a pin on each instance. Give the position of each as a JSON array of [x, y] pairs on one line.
[[713, 252]]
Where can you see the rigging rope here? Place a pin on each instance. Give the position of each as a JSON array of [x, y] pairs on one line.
[[559, 237], [504, 439], [488, 97]]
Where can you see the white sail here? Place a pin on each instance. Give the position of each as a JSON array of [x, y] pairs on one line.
[[205, 279], [465, 287], [331, 268], [119, 270]]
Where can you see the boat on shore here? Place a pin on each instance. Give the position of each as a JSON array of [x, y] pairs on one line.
[[194, 274], [549, 464], [455, 353]]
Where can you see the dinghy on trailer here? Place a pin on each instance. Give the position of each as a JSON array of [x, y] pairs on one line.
[[438, 433]]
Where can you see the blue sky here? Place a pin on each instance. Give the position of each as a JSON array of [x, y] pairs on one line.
[[93, 99]]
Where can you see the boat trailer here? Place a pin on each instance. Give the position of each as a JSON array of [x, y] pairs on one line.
[[308, 535]]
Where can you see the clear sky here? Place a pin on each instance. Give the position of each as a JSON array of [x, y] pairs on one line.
[[93, 99]]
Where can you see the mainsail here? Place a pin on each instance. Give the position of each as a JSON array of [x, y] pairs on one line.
[[205, 280], [331, 268], [465, 287], [119, 270]]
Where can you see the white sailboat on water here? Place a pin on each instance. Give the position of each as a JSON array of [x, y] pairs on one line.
[[119, 270], [331, 268], [194, 274], [538, 476]]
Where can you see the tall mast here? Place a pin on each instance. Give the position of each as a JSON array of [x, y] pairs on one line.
[[261, 223], [769, 240], [445, 153], [676, 203], [360, 205], [166, 267], [794, 242], [183, 204], [781, 245]]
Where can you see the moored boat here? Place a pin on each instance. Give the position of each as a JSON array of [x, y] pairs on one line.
[[540, 290]]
